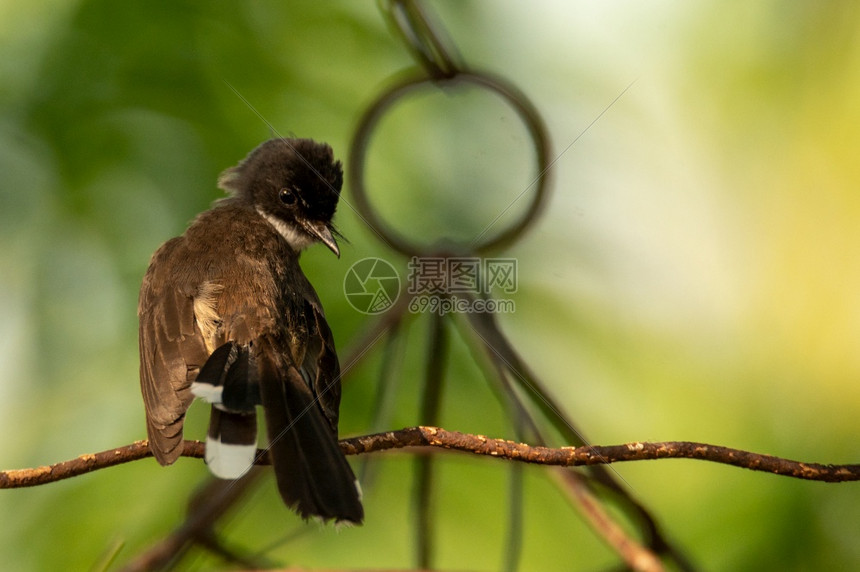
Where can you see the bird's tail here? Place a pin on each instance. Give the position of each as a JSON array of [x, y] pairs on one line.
[[313, 475], [224, 381]]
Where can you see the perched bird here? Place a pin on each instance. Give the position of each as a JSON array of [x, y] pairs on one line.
[[227, 315]]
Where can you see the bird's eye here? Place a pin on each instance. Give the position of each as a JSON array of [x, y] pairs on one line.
[[287, 197]]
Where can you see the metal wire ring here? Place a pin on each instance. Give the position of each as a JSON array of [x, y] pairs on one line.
[[360, 143]]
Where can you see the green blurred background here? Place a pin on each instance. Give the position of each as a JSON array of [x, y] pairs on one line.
[[695, 277]]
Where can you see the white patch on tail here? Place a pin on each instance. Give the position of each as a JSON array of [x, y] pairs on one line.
[[228, 461], [208, 392]]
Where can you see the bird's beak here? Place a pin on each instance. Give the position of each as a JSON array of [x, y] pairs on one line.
[[322, 232]]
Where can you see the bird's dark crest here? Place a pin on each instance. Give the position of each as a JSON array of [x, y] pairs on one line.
[[308, 165]]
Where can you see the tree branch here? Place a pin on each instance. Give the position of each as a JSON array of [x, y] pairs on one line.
[[476, 444]]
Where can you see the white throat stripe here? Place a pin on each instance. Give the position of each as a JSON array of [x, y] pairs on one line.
[[296, 239]]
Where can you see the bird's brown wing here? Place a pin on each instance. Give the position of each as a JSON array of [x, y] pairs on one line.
[[172, 350]]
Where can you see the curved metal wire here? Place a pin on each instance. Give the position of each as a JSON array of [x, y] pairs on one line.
[[443, 69], [437, 55], [512, 96]]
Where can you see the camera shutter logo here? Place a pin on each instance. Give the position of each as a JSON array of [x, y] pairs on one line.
[[371, 285]]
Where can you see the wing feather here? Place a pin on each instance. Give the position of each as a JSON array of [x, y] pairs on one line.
[[172, 350]]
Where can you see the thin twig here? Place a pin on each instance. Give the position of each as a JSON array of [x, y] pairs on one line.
[[477, 444], [595, 454], [504, 355], [209, 504], [425, 470], [636, 556]]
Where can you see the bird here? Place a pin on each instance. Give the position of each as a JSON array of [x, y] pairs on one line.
[[227, 315]]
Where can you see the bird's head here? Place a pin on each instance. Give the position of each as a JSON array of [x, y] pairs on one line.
[[295, 185]]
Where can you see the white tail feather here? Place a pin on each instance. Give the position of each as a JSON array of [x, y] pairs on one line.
[[207, 392], [227, 461]]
